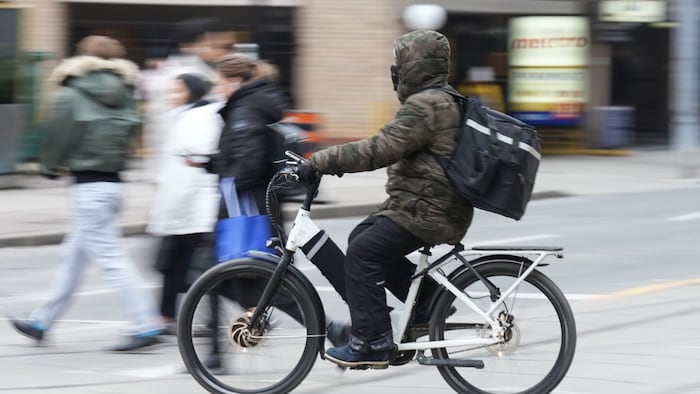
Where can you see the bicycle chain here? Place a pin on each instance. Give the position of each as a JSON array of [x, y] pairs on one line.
[[476, 347]]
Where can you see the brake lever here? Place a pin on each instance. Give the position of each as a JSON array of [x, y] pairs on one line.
[[292, 155]]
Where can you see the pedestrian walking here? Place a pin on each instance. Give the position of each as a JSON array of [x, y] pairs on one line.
[[199, 42], [243, 163], [186, 202], [94, 115], [252, 103]]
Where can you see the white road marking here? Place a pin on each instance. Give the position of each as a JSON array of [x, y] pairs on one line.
[[153, 372], [539, 296], [81, 321], [90, 292], [506, 241], [529, 296], [686, 217]]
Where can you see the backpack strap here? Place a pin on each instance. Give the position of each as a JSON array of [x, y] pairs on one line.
[[444, 162], [466, 101]]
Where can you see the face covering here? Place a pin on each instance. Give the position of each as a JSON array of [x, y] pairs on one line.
[[395, 76]]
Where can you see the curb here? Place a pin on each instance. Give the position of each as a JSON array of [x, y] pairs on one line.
[[56, 237], [288, 212]]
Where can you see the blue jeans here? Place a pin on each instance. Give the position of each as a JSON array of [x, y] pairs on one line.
[[95, 237]]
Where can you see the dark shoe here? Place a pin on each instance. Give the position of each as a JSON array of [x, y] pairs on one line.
[[137, 342], [170, 329], [201, 331], [29, 329], [344, 356], [338, 333], [212, 361]]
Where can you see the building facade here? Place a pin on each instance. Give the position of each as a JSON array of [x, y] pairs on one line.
[[335, 55]]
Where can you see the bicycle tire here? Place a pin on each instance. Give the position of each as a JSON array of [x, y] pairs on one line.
[[295, 313], [529, 340]]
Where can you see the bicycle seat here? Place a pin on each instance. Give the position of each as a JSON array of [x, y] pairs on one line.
[[517, 248]]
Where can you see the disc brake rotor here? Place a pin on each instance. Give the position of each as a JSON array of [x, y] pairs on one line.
[[511, 340], [242, 334]]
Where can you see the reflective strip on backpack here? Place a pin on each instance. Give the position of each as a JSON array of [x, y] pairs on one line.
[[504, 138]]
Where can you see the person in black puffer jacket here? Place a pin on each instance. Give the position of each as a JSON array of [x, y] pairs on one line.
[[252, 103]]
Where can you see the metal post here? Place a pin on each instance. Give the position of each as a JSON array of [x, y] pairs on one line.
[[685, 78]]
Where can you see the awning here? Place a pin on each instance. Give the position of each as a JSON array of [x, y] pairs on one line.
[[528, 7], [270, 3]]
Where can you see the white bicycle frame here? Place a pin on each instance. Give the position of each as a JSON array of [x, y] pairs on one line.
[[488, 316], [304, 229]]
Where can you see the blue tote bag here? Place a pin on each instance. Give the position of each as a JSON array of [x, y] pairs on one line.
[[245, 229]]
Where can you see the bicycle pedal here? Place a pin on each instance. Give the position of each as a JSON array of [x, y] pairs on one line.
[[402, 358], [361, 365], [364, 367], [464, 363]]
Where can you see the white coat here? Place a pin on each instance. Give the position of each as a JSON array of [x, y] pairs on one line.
[[187, 198]]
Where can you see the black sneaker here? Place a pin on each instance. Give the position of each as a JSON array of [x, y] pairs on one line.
[[344, 356], [212, 361], [29, 329]]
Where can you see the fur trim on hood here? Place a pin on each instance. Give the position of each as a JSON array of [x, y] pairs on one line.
[[81, 65]]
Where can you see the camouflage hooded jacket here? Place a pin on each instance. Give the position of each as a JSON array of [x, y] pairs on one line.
[[421, 198]]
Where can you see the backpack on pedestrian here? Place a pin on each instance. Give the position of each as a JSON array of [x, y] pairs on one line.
[[495, 161], [281, 137]]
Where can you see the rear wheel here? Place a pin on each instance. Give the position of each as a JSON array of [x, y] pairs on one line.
[[226, 352], [540, 333]]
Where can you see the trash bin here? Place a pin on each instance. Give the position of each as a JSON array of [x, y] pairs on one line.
[[30, 96], [11, 124], [612, 127]]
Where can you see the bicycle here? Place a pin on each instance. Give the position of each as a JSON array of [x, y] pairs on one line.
[[275, 325]]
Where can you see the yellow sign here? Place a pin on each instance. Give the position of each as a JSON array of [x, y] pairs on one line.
[[548, 76]]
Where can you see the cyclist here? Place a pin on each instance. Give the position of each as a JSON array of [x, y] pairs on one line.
[[422, 208]]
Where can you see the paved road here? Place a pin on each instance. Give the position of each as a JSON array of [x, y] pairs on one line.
[[630, 272]]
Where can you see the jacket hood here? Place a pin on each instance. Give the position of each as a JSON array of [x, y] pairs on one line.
[[263, 95], [423, 60], [107, 81]]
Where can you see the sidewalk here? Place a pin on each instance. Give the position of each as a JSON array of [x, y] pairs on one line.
[[37, 213]]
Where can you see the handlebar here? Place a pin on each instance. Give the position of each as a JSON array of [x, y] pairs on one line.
[[294, 157]]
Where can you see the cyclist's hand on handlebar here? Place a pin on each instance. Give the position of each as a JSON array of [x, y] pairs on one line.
[[307, 172]]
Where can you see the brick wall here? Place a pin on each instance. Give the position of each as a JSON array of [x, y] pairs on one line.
[[344, 50], [341, 65], [44, 27]]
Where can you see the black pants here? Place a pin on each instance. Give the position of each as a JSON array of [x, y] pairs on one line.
[[174, 261], [376, 259]]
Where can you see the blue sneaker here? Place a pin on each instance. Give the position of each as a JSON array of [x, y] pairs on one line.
[[346, 357], [139, 341], [29, 329]]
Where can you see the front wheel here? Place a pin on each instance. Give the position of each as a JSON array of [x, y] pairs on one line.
[[226, 352], [540, 336]]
